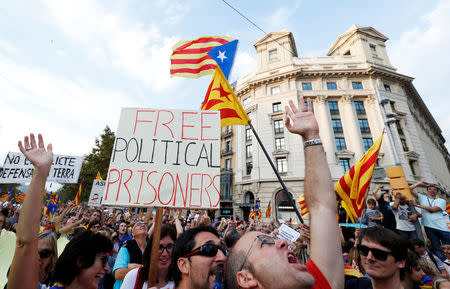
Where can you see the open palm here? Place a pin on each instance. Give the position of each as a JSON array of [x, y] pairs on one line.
[[36, 152], [302, 122]]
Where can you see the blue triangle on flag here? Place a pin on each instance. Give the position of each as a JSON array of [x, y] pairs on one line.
[[224, 56]]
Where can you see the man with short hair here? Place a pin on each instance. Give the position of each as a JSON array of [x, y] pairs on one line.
[[197, 255], [412, 274], [130, 255], [434, 218], [258, 260], [383, 255]]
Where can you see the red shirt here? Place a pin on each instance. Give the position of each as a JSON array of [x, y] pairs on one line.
[[321, 281]]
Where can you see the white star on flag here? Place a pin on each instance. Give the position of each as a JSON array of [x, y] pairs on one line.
[[221, 55]]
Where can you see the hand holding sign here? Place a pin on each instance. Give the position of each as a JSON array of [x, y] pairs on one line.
[[36, 153]]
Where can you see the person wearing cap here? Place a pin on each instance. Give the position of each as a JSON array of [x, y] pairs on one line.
[[434, 217]]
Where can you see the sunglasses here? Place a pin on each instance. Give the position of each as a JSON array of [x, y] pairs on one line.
[[45, 253], [377, 253], [168, 248], [103, 258], [208, 250], [264, 239]]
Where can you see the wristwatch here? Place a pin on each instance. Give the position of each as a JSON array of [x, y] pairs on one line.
[[312, 142]]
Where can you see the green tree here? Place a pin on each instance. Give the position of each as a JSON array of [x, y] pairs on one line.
[[96, 161]]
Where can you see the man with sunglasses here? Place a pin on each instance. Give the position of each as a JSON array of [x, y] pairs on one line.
[[197, 256], [383, 256], [260, 261]]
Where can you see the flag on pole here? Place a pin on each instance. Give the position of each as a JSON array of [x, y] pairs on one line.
[[20, 197], [98, 177], [447, 209], [252, 213], [268, 211], [6, 196], [303, 209], [220, 96], [258, 213], [78, 196], [126, 213], [352, 187], [224, 56], [190, 58]]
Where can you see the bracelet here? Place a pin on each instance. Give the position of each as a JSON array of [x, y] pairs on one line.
[[312, 142]]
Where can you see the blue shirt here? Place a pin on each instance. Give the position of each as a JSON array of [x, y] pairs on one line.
[[436, 220], [122, 260]]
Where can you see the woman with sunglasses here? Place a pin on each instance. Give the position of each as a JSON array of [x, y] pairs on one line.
[[83, 261], [48, 254], [137, 278]]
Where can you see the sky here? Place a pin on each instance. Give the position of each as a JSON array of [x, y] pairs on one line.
[[68, 67]]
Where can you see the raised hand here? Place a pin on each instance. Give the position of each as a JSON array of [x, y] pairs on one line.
[[36, 152], [302, 122]]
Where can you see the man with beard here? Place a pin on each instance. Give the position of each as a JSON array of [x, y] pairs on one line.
[[260, 261], [197, 256]]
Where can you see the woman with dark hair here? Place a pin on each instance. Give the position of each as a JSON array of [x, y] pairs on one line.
[[83, 262], [137, 278]]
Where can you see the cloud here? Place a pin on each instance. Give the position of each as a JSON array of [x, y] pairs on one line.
[[422, 52], [280, 18], [111, 38], [243, 64]]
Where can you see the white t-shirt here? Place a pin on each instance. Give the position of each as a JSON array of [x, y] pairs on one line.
[[436, 220], [402, 215], [130, 280]]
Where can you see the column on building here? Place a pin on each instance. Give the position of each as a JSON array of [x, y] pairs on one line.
[[326, 133], [351, 126]]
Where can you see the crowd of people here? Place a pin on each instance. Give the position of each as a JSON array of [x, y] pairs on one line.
[[87, 247]]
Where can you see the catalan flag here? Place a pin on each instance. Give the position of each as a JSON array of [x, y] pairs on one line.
[[20, 197], [268, 211], [126, 213], [447, 209], [78, 196], [258, 213], [252, 213], [190, 58], [303, 209], [220, 96], [6, 196], [352, 187], [98, 177]]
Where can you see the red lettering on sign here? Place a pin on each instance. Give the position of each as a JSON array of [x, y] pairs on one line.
[[205, 126], [178, 183], [124, 184], [206, 189], [217, 190], [137, 115], [109, 181], [194, 189], [140, 186], [185, 125], [159, 188], [165, 123], [154, 189]]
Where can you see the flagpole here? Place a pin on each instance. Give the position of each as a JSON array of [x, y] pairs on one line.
[[276, 173]]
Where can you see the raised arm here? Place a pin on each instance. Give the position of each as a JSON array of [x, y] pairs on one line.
[[412, 187], [320, 198], [24, 271], [61, 216], [375, 192]]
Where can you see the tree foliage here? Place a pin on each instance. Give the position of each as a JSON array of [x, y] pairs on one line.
[[96, 161]]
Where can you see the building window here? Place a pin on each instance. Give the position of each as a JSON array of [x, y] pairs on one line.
[[276, 107], [331, 86], [359, 106], [282, 165], [399, 128], [368, 142], [412, 166], [275, 90], [227, 164], [248, 167], [387, 88], [248, 151], [279, 143], [273, 55], [340, 144], [392, 105], [337, 125], [334, 109], [373, 49], [306, 86], [248, 133], [345, 164], [404, 145], [278, 126], [364, 126], [228, 146], [357, 85]]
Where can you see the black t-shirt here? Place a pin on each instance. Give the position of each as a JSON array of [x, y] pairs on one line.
[[360, 283], [388, 215]]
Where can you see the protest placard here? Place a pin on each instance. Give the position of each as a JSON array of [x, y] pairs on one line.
[[98, 187], [168, 158], [287, 233], [18, 169]]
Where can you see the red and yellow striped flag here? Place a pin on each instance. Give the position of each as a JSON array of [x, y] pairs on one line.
[[268, 211], [78, 196], [352, 187], [303, 209], [190, 58], [220, 96], [447, 209]]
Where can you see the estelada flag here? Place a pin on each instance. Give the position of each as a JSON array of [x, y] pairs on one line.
[[78, 196], [268, 211], [220, 96], [98, 177], [190, 58], [352, 187], [20, 197], [303, 209]]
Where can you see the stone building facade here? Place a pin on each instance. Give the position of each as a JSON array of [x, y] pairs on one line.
[[342, 86]]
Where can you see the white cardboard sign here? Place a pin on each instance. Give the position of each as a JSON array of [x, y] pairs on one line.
[[287, 233], [18, 169], [98, 187], [166, 158]]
